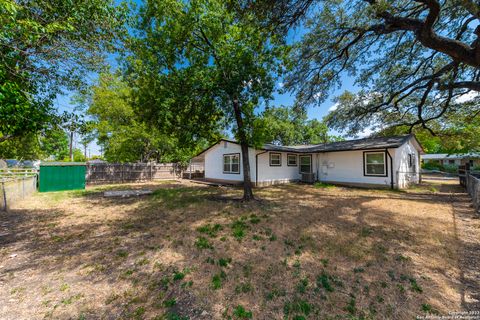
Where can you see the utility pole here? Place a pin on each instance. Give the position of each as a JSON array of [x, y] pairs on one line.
[[71, 145]]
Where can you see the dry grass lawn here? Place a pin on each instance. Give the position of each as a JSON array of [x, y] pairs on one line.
[[191, 252]]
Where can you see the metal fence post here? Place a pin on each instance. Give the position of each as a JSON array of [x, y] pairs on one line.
[[4, 196]]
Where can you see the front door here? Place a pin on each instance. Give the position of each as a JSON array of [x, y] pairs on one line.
[[306, 164]]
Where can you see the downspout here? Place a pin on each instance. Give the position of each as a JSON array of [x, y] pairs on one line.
[[256, 167], [391, 169]]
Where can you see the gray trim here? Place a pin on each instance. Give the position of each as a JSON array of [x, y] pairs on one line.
[[270, 159], [223, 163], [296, 160], [300, 163]]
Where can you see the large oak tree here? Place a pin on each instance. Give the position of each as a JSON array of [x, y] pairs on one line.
[[417, 62], [198, 65]]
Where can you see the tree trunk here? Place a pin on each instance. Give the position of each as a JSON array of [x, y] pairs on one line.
[[247, 182], [71, 146]]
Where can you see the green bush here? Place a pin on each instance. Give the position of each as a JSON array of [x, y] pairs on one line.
[[432, 166], [450, 168]]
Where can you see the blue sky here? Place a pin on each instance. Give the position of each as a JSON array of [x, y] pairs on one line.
[[63, 103], [287, 99]]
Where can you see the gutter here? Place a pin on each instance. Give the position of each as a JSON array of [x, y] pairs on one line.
[[391, 169], [256, 167]]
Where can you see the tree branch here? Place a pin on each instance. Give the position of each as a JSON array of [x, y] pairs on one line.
[[424, 32], [6, 137]]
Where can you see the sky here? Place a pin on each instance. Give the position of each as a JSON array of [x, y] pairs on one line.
[[63, 102]]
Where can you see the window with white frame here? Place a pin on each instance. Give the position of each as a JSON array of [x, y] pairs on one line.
[[275, 159], [292, 160], [375, 163], [231, 163]]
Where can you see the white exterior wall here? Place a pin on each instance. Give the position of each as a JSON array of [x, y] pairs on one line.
[[335, 167], [456, 162], [347, 167], [214, 162], [267, 174], [277, 174], [404, 174]]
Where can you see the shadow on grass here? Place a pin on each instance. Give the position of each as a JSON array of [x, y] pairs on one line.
[[295, 232]]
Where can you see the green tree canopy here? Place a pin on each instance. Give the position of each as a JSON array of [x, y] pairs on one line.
[[459, 137], [290, 126], [51, 141], [197, 65], [123, 135], [47, 46]]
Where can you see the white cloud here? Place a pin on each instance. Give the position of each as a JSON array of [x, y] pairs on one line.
[[467, 97], [365, 133], [333, 107]]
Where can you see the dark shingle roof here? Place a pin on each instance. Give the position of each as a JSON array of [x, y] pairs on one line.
[[357, 144]]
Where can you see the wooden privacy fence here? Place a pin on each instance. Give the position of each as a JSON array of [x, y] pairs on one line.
[[471, 181], [100, 173], [473, 188]]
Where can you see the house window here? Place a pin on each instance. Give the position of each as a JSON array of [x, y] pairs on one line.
[[231, 163], [374, 164], [411, 160], [305, 164], [451, 161], [275, 159], [292, 160]]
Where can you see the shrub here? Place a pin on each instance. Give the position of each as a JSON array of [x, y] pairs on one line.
[[432, 166], [450, 168]]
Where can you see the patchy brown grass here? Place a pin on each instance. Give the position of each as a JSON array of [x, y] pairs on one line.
[[188, 252]]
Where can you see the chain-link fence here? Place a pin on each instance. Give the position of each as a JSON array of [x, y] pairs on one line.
[[16, 188]]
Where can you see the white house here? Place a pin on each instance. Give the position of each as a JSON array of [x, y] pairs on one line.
[[392, 162], [453, 159]]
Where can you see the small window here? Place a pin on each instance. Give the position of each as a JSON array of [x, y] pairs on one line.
[[451, 161], [411, 160], [292, 160], [275, 159], [305, 164], [231, 163], [375, 164]]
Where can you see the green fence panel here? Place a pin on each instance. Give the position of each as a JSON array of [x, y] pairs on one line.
[[62, 176]]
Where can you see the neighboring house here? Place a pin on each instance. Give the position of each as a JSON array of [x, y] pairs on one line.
[[453, 159], [392, 162], [96, 161]]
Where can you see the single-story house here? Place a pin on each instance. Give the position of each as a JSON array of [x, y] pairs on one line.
[[455, 159], [392, 162]]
